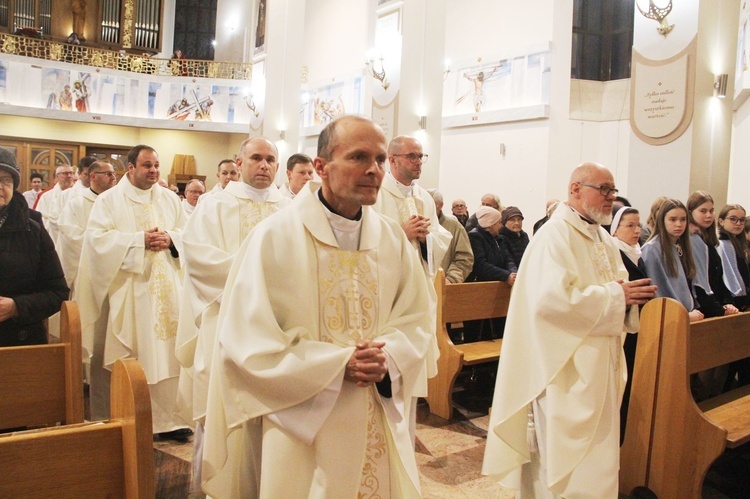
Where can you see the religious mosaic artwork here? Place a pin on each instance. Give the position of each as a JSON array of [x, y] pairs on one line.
[[123, 94], [323, 104], [497, 84]]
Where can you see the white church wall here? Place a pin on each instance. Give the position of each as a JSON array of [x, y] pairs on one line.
[[739, 172], [336, 38], [538, 153]]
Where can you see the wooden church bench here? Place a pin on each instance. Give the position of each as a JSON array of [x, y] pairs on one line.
[[670, 440], [113, 459], [43, 384], [459, 303]]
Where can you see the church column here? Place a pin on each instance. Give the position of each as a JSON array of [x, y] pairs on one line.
[[680, 131], [415, 78], [279, 66]]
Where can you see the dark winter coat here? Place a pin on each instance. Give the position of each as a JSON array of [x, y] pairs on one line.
[[492, 262], [515, 244], [30, 273]]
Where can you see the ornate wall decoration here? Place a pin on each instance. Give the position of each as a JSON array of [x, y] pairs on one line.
[[127, 24], [658, 14], [661, 103]]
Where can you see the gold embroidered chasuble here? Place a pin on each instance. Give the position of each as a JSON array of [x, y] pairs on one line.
[[399, 207], [140, 287], [211, 239], [308, 310], [566, 298]]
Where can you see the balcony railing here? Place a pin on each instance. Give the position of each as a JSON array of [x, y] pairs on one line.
[[101, 58]]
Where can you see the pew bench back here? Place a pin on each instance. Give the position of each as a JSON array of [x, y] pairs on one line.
[[457, 303], [112, 459], [43, 384], [670, 441]]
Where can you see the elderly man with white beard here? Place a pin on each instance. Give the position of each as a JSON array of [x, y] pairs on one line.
[[562, 371]]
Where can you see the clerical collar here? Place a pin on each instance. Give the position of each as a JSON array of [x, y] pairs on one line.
[[95, 193], [356, 218], [347, 232], [257, 195], [590, 222], [406, 190]]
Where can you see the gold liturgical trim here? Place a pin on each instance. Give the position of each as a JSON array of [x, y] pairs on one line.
[[662, 96]]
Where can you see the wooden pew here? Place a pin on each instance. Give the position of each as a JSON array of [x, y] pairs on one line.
[[459, 303], [113, 459], [671, 441], [43, 384]]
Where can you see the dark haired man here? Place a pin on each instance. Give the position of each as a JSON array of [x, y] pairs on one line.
[[131, 274]]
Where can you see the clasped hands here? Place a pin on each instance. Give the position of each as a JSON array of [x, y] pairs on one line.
[[156, 240], [367, 365], [637, 292], [417, 227]]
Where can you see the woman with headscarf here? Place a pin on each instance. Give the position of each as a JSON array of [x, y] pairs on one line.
[[492, 262], [626, 231], [32, 285]]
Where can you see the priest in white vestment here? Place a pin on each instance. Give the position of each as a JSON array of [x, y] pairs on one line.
[[82, 184], [131, 270], [562, 370], [411, 206], [227, 172], [322, 336], [72, 224], [299, 171], [194, 189], [49, 202], [211, 239], [75, 216]]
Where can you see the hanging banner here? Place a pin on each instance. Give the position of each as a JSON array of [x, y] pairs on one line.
[[661, 103]]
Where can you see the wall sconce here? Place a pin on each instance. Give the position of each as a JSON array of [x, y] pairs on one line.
[[378, 75], [720, 86], [423, 122]]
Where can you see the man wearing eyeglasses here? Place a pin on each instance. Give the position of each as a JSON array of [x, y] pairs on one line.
[[83, 182], [194, 189], [72, 224], [129, 281], [413, 208], [211, 239], [49, 202], [460, 211], [562, 351]]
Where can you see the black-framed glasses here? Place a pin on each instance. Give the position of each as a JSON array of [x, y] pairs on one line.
[[736, 220], [414, 157], [604, 190]]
